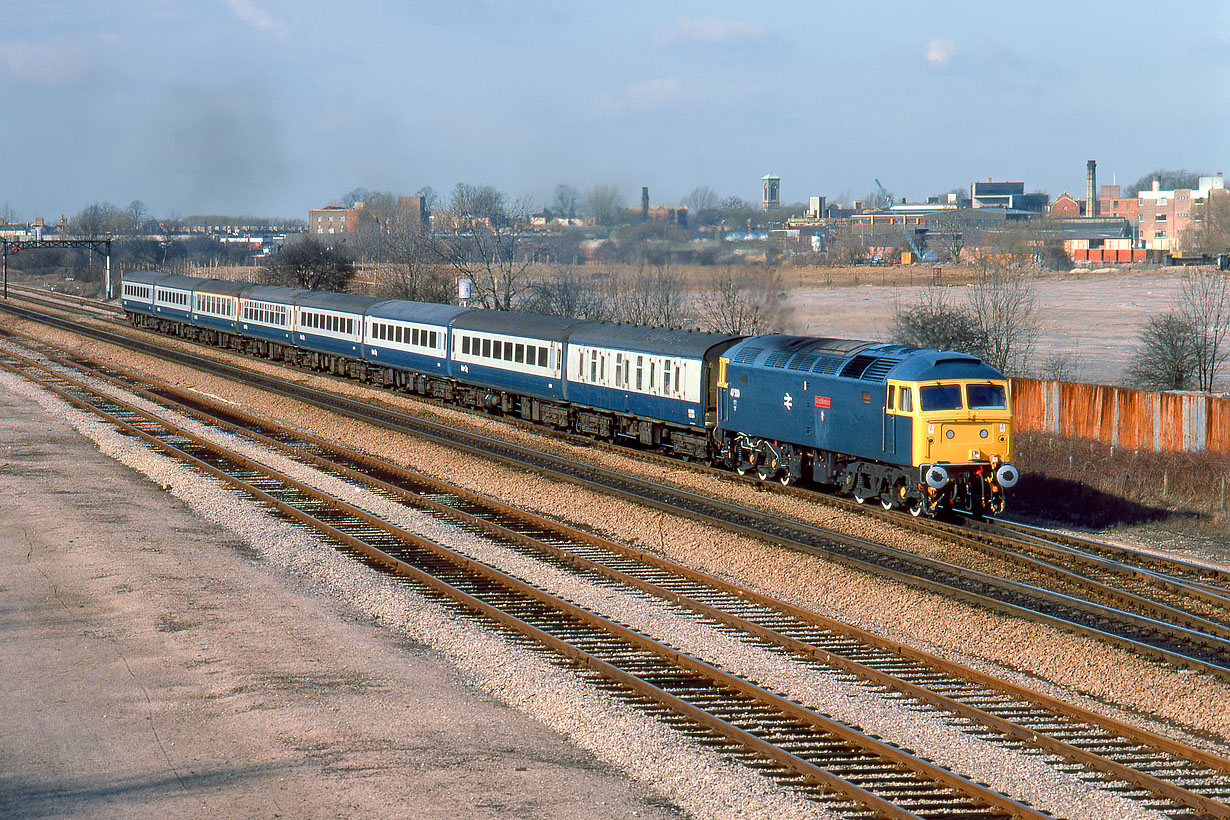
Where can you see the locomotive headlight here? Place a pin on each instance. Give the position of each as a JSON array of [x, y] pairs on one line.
[[1007, 476], [937, 477], [949, 433], [983, 433]]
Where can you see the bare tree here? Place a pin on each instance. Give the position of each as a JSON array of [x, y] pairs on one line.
[[1004, 303], [656, 296], [946, 235], [741, 300], [1213, 232], [392, 236], [567, 290], [1204, 303], [701, 199], [484, 240], [603, 203], [934, 321], [1166, 358], [1168, 180], [137, 215], [846, 246], [431, 200], [96, 220], [567, 202], [309, 263]]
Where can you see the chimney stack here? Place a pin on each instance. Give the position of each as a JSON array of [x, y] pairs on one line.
[[1091, 188], [644, 202]]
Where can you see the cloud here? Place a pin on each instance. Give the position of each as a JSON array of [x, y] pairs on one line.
[[258, 18], [650, 94], [712, 30], [669, 92], [59, 60], [939, 51]]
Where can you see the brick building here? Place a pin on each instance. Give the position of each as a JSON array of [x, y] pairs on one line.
[[334, 219], [1167, 220], [1065, 207], [1111, 202]]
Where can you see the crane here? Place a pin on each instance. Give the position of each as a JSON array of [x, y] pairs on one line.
[[886, 203]]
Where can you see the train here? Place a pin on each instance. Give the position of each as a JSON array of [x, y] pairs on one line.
[[923, 430]]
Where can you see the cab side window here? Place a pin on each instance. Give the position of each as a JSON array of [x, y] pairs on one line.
[[907, 400]]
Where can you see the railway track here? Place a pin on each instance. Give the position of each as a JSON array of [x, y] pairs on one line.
[[1170, 777], [1142, 624], [852, 772]]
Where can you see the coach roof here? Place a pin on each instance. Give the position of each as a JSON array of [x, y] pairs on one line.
[[272, 293], [174, 280], [404, 311], [653, 340], [530, 325], [221, 287], [340, 302], [144, 277]]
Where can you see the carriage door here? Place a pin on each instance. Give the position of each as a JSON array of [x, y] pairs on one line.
[[889, 423]]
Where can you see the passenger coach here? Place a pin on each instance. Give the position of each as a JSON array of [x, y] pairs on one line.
[[137, 291], [660, 383], [512, 354], [267, 314], [408, 340], [215, 306]]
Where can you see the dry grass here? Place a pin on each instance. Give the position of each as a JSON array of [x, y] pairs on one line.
[[1087, 484]]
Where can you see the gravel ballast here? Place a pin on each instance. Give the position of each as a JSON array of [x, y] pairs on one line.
[[1034, 655]]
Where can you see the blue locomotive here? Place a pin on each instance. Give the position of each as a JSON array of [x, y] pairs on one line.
[[923, 430]]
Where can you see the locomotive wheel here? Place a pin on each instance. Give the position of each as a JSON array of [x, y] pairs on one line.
[[886, 502], [764, 472], [916, 507], [742, 468], [859, 499], [785, 478]]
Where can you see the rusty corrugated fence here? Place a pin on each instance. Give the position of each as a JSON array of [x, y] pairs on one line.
[[1120, 417]]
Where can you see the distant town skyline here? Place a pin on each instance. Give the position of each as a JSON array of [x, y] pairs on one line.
[[273, 107]]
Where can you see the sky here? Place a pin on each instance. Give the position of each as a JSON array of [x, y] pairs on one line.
[[273, 107]]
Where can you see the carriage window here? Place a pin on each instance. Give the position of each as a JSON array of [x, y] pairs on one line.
[[986, 396], [486, 347], [651, 369], [508, 351], [414, 336], [666, 379], [432, 340], [640, 370], [520, 357], [542, 357], [465, 345]]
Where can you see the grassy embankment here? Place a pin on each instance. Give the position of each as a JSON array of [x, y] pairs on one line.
[[1086, 484]]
